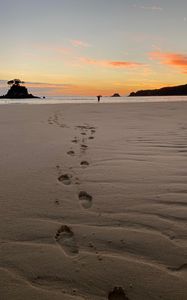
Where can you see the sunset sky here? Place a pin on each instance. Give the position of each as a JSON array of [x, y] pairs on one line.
[[86, 47]]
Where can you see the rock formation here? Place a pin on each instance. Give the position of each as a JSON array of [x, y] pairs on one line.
[[180, 90], [116, 95], [17, 91]]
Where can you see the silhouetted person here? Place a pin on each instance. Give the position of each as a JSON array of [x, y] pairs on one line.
[[98, 98]]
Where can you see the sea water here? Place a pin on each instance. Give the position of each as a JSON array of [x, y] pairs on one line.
[[83, 99]]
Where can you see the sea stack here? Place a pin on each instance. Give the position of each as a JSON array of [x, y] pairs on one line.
[[17, 91], [116, 95]]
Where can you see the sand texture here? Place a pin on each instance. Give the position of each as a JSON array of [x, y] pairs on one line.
[[93, 202]]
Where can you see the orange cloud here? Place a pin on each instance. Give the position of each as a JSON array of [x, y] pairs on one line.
[[108, 63], [171, 59]]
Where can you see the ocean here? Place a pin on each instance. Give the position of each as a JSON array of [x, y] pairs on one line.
[[83, 99]]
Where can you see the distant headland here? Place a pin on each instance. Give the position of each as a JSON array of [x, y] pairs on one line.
[[17, 91], [180, 90]]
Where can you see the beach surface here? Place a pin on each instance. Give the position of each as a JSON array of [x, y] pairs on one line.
[[93, 197]]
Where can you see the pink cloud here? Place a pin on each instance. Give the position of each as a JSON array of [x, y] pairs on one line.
[[113, 64], [171, 59], [123, 64], [78, 43]]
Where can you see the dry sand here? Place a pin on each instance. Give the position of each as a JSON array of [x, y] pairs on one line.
[[93, 196]]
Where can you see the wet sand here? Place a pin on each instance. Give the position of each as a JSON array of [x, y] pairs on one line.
[[93, 201]]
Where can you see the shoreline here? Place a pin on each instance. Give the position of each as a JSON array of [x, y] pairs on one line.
[[93, 100]]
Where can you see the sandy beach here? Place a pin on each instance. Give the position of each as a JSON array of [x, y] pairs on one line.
[[93, 197]]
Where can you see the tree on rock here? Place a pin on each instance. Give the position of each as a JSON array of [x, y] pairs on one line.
[[15, 82], [17, 91]]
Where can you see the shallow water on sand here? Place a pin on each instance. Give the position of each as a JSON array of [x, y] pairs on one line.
[[83, 99]]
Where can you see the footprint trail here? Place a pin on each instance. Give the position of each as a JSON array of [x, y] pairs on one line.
[[85, 199], [66, 240]]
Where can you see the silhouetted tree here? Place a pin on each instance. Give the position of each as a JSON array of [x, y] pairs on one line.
[[15, 82], [17, 90]]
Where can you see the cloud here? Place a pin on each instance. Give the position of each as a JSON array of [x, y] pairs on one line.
[[49, 89], [171, 59], [47, 85], [112, 64], [78, 43], [156, 8], [156, 47]]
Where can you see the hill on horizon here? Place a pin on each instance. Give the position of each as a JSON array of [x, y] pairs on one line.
[[180, 90]]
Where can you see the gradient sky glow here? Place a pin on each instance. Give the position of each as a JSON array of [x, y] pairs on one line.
[[86, 47]]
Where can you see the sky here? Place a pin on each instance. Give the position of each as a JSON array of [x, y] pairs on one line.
[[90, 47]]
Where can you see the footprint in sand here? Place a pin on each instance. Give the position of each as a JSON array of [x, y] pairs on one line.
[[71, 152], [75, 140], [84, 163], [117, 294], [179, 268], [66, 240], [85, 199], [84, 147], [65, 178], [83, 141], [50, 122], [91, 137]]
